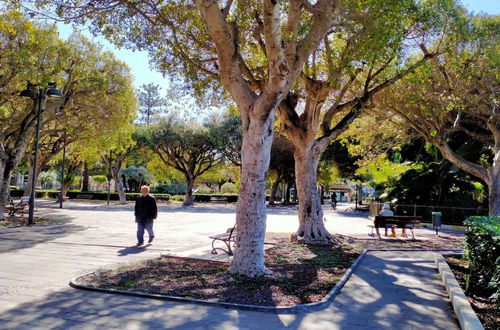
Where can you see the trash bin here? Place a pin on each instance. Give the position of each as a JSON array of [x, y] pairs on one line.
[[436, 221]]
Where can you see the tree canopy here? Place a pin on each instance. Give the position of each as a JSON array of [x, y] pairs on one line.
[[97, 92], [457, 93]]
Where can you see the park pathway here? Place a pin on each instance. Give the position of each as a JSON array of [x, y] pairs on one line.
[[389, 289]]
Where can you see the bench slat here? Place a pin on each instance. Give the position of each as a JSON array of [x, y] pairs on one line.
[[227, 238]]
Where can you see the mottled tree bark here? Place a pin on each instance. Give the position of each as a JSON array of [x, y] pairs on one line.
[[11, 154], [188, 196], [311, 220], [27, 187], [251, 208], [258, 101], [120, 189]]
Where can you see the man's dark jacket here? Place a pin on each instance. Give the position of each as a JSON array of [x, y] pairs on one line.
[[145, 209]]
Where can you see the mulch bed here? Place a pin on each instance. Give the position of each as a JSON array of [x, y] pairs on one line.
[[487, 311], [16, 221], [301, 273]]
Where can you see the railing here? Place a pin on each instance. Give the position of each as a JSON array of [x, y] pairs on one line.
[[449, 215]]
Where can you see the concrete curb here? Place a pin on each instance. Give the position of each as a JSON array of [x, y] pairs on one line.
[[270, 309], [467, 318]]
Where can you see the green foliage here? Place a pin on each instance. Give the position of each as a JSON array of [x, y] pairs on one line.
[[46, 178], [177, 198], [228, 187], [137, 176], [220, 174], [482, 251], [383, 171], [226, 135], [99, 179], [188, 148], [151, 103]]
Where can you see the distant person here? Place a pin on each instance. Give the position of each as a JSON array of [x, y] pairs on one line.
[[334, 201], [386, 212], [146, 212]]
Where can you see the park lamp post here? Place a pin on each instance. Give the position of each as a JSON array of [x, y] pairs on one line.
[[40, 97]]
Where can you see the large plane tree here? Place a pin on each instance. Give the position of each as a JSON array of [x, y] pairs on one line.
[[457, 92], [255, 49]]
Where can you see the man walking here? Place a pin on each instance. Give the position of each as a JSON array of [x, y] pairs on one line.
[[146, 212]]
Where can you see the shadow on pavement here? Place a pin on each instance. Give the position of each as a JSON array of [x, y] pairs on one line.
[[23, 237], [73, 308], [132, 250], [399, 294]]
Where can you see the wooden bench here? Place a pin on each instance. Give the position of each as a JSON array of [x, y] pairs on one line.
[[20, 207], [404, 222], [218, 199], [84, 196], [227, 238]]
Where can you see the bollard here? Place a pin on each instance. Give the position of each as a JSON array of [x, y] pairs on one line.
[[436, 221]]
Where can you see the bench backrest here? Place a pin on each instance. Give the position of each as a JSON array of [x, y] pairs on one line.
[[398, 218], [218, 198]]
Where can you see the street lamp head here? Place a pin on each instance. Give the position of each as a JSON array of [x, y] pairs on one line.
[[29, 92], [52, 91]]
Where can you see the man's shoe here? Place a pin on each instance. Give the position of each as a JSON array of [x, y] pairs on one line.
[[151, 239], [139, 243]]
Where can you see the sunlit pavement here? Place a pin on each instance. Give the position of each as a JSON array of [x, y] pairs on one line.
[[389, 289]]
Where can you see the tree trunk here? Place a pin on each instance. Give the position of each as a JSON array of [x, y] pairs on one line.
[[6, 173], [118, 182], [188, 200], [251, 208], [274, 188], [494, 170], [494, 189], [85, 177], [9, 160], [311, 226], [64, 189], [360, 194], [491, 175], [286, 200], [27, 188]]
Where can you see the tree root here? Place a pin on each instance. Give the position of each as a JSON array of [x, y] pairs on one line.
[[327, 240]]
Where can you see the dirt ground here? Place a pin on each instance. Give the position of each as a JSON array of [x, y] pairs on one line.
[[486, 309]]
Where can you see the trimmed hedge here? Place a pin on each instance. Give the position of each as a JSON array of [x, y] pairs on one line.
[[482, 251], [97, 195], [38, 193], [103, 195]]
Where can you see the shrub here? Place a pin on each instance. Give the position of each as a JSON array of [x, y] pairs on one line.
[[228, 187], [177, 198], [482, 251]]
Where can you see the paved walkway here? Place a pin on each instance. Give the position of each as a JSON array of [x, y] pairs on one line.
[[389, 289]]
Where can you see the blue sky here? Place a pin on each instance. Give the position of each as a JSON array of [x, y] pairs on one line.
[[139, 61]]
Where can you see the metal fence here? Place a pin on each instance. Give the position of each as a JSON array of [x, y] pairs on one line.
[[450, 215]]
